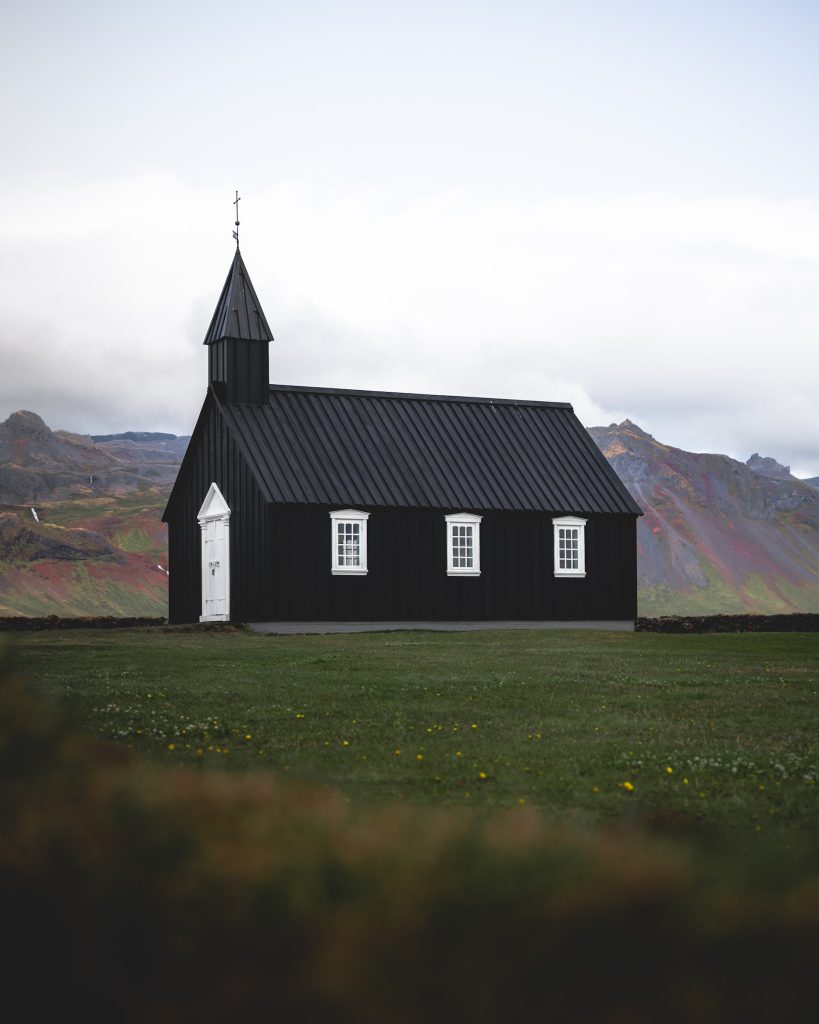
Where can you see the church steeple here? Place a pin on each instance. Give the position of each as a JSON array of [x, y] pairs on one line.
[[237, 340]]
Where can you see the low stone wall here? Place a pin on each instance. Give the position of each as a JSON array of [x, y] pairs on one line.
[[800, 622], [25, 622]]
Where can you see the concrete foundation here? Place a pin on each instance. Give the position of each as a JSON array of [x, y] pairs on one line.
[[288, 628]]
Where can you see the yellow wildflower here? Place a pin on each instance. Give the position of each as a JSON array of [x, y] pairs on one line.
[[171, 746], [629, 786], [669, 770]]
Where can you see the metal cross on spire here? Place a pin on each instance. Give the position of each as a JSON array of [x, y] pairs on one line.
[[236, 202]]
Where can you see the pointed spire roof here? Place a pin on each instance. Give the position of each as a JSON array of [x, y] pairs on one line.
[[239, 313]]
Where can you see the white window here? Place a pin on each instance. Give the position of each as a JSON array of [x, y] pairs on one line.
[[463, 544], [570, 546], [349, 542]]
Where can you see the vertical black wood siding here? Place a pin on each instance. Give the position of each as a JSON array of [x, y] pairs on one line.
[[407, 576], [217, 458], [242, 368]]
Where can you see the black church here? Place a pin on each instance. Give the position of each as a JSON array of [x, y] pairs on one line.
[[320, 504]]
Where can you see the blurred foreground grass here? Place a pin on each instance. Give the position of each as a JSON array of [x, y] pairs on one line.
[[146, 890]]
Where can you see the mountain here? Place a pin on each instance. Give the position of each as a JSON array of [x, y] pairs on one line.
[[717, 535], [135, 435], [80, 528], [39, 463]]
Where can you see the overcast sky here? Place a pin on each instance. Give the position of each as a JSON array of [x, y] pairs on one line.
[[610, 203]]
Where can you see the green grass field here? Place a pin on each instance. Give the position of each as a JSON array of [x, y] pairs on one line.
[[713, 734]]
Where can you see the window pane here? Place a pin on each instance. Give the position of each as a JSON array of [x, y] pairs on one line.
[[349, 544]]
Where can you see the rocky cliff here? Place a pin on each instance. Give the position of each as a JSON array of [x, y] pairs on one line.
[[717, 535]]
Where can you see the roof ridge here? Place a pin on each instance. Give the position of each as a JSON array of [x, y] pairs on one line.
[[460, 399]]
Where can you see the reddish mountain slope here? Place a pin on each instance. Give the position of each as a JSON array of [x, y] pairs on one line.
[[80, 529], [717, 535]]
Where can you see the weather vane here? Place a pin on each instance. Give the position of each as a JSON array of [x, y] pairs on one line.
[[236, 232]]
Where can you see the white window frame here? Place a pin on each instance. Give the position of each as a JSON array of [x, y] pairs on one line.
[[574, 523], [343, 517], [463, 519]]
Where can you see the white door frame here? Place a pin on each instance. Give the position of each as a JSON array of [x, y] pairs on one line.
[[213, 514]]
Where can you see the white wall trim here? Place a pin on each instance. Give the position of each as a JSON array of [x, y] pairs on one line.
[[574, 523], [463, 519], [214, 506], [355, 516]]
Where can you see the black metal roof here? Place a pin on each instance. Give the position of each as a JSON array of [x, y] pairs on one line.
[[388, 449], [239, 313]]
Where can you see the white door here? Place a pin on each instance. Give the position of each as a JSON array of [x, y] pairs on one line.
[[214, 570], [214, 523]]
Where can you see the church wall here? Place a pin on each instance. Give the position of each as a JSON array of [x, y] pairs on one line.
[[281, 556], [241, 367], [407, 576]]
